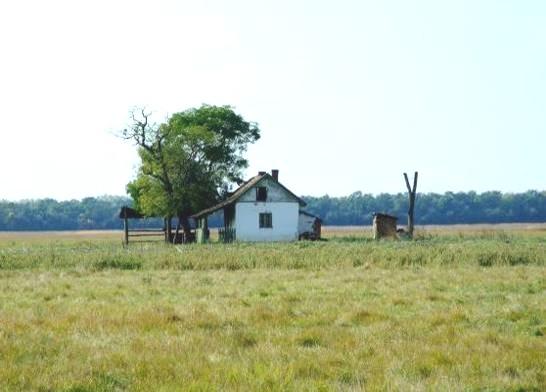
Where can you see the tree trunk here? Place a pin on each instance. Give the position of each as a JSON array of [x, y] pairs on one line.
[[411, 195], [410, 214], [184, 221]]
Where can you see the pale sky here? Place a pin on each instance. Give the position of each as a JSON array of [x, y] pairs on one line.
[[348, 94]]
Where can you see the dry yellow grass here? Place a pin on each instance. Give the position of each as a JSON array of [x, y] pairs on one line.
[[327, 231], [453, 311]]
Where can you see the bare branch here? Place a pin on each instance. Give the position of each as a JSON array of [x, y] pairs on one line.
[[407, 182], [141, 131], [411, 196]]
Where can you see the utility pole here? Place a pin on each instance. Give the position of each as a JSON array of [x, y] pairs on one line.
[[411, 195]]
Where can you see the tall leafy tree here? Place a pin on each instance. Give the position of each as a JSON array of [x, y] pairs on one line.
[[188, 160]]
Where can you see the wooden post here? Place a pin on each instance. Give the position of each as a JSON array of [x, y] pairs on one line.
[[125, 228], [177, 231], [206, 228], [168, 229], [411, 195]]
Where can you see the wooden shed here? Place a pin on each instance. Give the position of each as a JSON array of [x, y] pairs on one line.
[[384, 226], [309, 226]]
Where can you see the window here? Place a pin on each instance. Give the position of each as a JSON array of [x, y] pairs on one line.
[[261, 193], [266, 220]]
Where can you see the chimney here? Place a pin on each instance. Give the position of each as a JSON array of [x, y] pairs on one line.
[[261, 173], [275, 174]]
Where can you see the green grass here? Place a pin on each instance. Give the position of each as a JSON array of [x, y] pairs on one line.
[[452, 311]]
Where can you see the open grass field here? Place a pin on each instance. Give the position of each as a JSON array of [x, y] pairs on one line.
[[460, 308]]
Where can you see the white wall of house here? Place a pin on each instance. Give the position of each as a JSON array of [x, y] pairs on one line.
[[284, 216], [305, 224], [275, 193]]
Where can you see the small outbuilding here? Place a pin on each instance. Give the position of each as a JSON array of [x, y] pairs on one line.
[[309, 226], [126, 213], [384, 226]]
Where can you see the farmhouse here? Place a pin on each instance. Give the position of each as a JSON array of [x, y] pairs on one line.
[[261, 209]]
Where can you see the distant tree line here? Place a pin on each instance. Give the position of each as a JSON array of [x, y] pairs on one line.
[[91, 213], [432, 208], [96, 213]]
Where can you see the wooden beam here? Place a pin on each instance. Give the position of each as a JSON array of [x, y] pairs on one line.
[[146, 234], [125, 228], [147, 230]]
